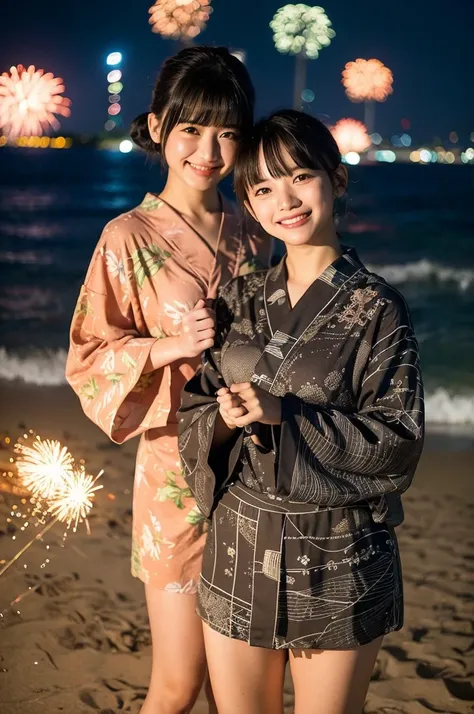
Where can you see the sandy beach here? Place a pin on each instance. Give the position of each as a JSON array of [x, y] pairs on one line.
[[77, 641]]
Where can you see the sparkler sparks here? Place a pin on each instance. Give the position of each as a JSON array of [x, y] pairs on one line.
[[44, 467], [29, 101], [73, 501], [178, 19], [56, 486]]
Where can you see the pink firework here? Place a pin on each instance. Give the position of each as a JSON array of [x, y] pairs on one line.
[[29, 101], [351, 135], [179, 19]]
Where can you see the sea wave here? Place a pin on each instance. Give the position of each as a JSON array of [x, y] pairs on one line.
[[47, 369], [425, 270]]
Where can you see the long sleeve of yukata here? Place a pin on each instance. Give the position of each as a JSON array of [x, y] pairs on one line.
[[109, 342], [331, 457]]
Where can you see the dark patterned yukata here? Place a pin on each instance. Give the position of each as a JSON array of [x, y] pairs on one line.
[[301, 551]]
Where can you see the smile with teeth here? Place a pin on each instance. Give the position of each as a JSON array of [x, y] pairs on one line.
[[204, 169], [295, 220]]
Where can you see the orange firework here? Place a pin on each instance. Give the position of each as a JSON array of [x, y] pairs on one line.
[[29, 100], [178, 19], [351, 135], [367, 80]]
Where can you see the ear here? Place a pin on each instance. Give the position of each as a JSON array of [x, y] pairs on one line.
[[341, 179], [251, 211], [154, 127]]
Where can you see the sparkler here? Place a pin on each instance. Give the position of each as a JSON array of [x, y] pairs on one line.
[[66, 492], [29, 101], [44, 467], [179, 19]]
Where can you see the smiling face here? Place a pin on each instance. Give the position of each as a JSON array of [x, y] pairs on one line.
[[199, 156], [295, 206]]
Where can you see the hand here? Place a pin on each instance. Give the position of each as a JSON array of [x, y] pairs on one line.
[[230, 407], [259, 405], [198, 330]]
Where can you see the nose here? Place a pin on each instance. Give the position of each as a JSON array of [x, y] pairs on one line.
[[287, 199], [209, 148]]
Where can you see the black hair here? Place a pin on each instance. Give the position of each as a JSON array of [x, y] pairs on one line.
[[199, 85], [307, 140]]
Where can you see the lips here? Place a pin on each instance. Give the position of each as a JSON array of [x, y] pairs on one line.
[[295, 221], [202, 170]]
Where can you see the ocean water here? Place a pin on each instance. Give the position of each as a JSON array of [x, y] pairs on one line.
[[412, 224]]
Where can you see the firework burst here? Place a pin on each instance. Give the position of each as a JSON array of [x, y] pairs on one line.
[[179, 19], [43, 467], [367, 80], [351, 135], [29, 101]]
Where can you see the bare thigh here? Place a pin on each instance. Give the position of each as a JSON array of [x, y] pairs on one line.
[[245, 680], [330, 681], [179, 661]]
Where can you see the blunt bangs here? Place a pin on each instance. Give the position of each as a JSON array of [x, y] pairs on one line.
[[216, 100], [304, 139]]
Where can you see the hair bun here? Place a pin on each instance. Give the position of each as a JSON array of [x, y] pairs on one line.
[[140, 133]]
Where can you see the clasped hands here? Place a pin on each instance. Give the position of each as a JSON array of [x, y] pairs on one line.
[[244, 403]]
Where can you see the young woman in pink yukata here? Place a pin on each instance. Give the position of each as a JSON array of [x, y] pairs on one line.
[[143, 319]]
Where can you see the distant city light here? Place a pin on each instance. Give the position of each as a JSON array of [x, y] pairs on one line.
[[376, 139], [453, 137], [385, 155], [125, 146], [351, 136], [415, 156], [114, 109], [114, 76], [352, 158], [114, 58], [307, 95], [425, 156], [115, 87], [405, 139]]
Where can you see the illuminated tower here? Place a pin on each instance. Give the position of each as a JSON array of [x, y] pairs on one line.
[[114, 88]]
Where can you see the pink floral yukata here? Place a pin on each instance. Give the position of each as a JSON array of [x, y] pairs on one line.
[[150, 267]]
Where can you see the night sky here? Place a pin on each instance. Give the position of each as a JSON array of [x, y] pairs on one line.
[[427, 45]]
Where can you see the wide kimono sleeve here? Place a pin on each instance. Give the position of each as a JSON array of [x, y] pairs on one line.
[[334, 458], [110, 345], [206, 468]]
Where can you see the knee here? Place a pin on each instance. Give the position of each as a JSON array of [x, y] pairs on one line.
[[172, 695]]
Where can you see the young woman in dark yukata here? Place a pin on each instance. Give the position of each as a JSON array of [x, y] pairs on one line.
[[298, 435]]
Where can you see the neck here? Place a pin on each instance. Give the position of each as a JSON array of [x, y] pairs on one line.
[[189, 201], [305, 263]]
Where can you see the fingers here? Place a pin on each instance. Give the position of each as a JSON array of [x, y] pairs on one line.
[[204, 345], [222, 391], [200, 304], [206, 324], [240, 387]]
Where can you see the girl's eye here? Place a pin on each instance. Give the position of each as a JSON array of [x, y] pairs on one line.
[[230, 135], [262, 191], [302, 177], [190, 130]]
